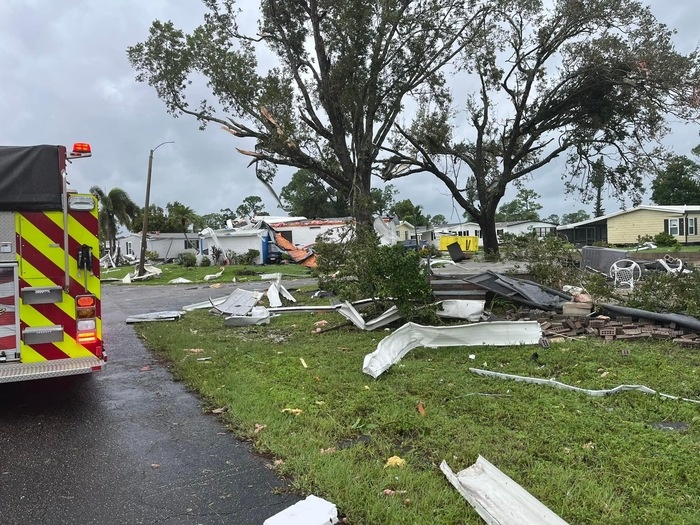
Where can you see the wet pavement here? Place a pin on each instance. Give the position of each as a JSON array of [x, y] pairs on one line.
[[126, 445]]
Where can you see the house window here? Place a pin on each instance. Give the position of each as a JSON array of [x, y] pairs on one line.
[[692, 223], [129, 248], [673, 227], [477, 233], [499, 232]]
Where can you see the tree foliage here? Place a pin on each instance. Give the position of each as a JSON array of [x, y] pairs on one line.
[[579, 80], [251, 206], [438, 220], [340, 75], [115, 208], [307, 195], [523, 208], [383, 199], [218, 220], [407, 211], [574, 217], [677, 182]]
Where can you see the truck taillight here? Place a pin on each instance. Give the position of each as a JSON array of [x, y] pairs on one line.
[[86, 319]]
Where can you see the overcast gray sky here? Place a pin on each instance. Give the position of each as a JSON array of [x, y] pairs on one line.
[[66, 78]]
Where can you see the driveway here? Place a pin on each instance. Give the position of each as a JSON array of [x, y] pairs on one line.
[[127, 445]]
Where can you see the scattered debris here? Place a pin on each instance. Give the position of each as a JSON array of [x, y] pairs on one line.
[[204, 359], [258, 315], [213, 276], [205, 304], [623, 324], [293, 411], [168, 315], [395, 461], [421, 408], [239, 302], [467, 309], [521, 291], [150, 272], [276, 288], [392, 348], [497, 498], [258, 428], [311, 511], [303, 363], [179, 280], [351, 314], [563, 386], [220, 410], [146, 368]]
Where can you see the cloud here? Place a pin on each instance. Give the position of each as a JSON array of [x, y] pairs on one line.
[[66, 78]]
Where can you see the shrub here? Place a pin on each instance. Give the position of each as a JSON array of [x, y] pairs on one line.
[[667, 292], [356, 267], [665, 239], [186, 259], [206, 261], [249, 257], [151, 256]]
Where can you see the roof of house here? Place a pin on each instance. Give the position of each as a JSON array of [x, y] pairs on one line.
[[677, 210]]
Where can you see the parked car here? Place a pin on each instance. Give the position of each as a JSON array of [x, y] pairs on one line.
[[411, 244]]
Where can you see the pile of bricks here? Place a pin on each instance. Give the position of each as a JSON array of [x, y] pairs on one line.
[[557, 327]]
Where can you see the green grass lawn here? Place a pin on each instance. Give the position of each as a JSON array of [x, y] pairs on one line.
[[196, 274], [592, 460]]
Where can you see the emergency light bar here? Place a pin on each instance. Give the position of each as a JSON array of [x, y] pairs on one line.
[[80, 150]]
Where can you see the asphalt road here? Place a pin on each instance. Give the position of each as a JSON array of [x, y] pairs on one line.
[[127, 446]]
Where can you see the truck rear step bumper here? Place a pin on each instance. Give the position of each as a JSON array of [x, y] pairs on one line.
[[11, 372]]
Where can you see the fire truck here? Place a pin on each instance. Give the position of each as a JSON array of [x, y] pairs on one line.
[[50, 311]]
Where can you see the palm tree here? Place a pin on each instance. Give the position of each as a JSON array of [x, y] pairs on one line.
[[183, 216], [116, 208]]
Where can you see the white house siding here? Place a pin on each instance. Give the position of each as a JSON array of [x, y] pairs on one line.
[[239, 243]]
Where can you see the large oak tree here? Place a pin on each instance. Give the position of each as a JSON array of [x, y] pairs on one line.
[[571, 79], [342, 71]]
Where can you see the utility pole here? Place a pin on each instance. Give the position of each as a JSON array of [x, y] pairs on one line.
[[144, 230]]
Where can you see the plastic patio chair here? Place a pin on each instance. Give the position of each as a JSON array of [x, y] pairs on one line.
[[624, 272]]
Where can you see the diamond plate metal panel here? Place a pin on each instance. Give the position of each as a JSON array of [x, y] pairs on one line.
[[8, 248], [59, 367]]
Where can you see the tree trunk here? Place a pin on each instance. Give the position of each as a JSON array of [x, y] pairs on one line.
[[362, 201], [488, 234]]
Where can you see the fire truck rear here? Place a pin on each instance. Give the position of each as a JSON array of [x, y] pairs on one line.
[[50, 312]]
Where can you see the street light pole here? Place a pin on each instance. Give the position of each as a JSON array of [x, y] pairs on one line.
[[144, 230]]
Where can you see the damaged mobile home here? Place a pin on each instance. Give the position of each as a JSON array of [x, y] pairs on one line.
[[292, 236]]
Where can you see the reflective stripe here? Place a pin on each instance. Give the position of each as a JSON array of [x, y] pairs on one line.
[[41, 257]]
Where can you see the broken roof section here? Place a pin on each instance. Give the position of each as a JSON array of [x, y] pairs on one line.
[[304, 256], [394, 347], [497, 498], [522, 291]]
